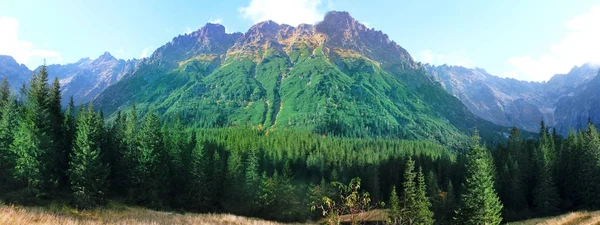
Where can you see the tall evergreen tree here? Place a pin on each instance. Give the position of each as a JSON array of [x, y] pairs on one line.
[[423, 205], [253, 178], [545, 194], [4, 92], [409, 194], [591, 166], [33, 146], [87, 173], [8, 121], [68, 127], [176, 143], [198, 181], [480, 203], [129, 151], [150, 168], [395, 213], [235, 181], [216, 183]]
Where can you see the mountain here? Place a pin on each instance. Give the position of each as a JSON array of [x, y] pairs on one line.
[[577, 107], [83, 80], [510, 102], [17, 74], [336, 77], [87, 78]]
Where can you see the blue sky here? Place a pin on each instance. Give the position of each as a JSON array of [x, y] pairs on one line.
[[528, 40]]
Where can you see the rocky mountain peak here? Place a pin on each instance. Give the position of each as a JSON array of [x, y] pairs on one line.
[[343, 31], [210, 31], [106, 56], [5, 59], [269, 27], [340, 26], [340, 20]]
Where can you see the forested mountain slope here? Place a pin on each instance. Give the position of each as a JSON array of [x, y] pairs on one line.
[[337, 77]]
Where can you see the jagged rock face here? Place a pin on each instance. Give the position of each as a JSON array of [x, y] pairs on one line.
[[578, 107], [17, 74], [210, 39], [510, 102], [87, 78], [345, 32]]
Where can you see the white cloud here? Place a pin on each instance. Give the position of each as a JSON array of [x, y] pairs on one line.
[[457, 58], [292, 12], [188, 30], [217, 20], [120, 53], [23, 51], [145, 52], [581, 44]]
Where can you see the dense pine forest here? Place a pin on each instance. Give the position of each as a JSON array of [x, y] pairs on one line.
[[73, 155]]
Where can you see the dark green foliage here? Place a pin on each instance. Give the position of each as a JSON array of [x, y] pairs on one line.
[[511, 179], [395, 213], [8, 121], [479, 201], [198, 189], [280, 167], [87, 173], [253, 181], [545, 194], [424, 214], [416, 205], [33, 147], [150, 168], [5, 92], [235, 182], [409, 194]]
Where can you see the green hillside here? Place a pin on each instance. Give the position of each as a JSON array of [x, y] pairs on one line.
[[307, 79]]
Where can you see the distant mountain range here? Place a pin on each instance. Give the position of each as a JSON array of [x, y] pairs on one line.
[[565, 101], [335, 77], [84, 80]]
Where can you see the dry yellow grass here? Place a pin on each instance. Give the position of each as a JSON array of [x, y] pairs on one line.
[[122, 215], [376, 215], [574, 218]]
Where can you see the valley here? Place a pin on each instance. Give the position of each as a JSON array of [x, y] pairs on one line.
[[329, 122]]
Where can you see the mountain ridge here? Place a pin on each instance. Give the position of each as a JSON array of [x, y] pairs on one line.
[[336, 77], [511, 102]]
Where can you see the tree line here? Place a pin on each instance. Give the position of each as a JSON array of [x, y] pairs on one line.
[[75, 155]]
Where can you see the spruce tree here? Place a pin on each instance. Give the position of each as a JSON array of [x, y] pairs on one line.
[[8, 121], [591, 166], [4, 92], [216, 184], [235, 182], [129, 152], [198, 181], [68, 127], [252, 180], [449, 204], [480, 203], [545, 194], [33, 147], [434, 193], [423, 213], [150, 169], [409, 197], [87, 173], [395, 213]]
